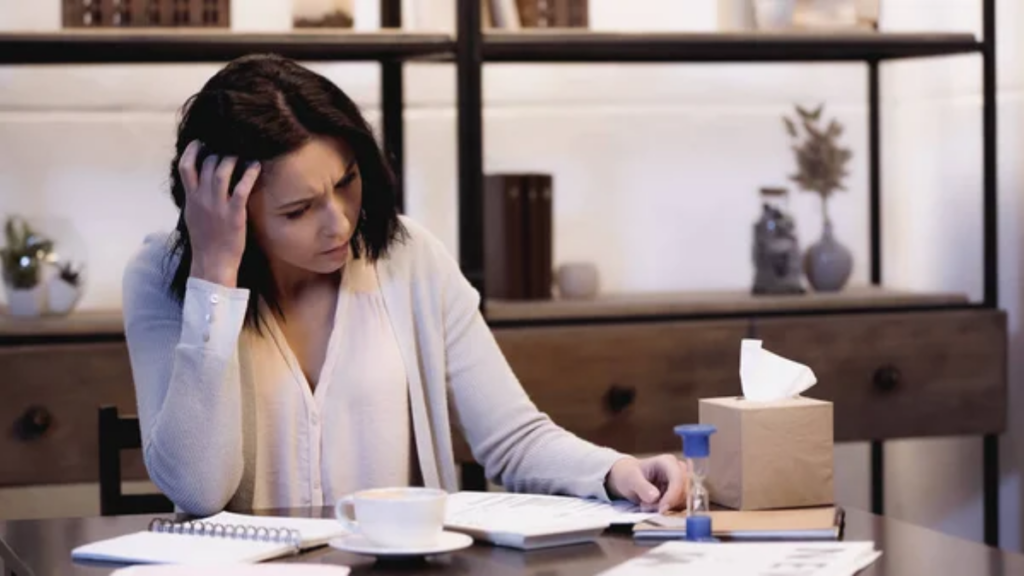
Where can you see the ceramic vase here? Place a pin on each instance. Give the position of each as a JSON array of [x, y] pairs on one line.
[[26, 302], [827, 262], [62, 297]]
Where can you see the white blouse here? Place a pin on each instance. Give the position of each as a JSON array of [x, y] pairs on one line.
[[353, 431]]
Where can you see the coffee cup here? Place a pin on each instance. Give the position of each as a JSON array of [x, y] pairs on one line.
[[394, 517]]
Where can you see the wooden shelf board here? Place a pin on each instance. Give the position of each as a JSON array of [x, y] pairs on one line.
[[85, 323], [724, 303], [143, 45], [564, 45]]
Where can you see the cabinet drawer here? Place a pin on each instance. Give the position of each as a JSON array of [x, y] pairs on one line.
[[51, 394], [889, 375], [626, 385], [903, 375]]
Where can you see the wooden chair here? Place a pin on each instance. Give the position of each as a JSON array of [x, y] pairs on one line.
[[117, 433]]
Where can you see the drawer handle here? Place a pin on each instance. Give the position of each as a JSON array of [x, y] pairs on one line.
[[618, 398], [887, 378], [33, 423]]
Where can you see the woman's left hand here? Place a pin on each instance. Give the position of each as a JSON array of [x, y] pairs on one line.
[[657, 483]]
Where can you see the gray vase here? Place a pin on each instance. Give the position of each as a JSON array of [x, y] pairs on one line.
[[828, 263]]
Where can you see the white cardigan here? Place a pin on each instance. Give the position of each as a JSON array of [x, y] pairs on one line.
[[193, 371]]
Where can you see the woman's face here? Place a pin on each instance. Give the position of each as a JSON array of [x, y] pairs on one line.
[[305, 207]]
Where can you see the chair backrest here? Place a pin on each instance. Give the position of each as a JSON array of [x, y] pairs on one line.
[[117, 433]]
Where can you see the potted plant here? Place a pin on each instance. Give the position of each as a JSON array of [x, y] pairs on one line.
[[22, 258], [821, 167]]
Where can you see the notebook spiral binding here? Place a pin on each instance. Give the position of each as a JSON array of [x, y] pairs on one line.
[[237, 532]]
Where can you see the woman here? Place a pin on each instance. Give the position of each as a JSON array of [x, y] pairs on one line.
[[295, 340]]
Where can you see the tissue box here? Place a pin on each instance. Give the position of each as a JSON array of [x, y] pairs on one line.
[[765, 455]]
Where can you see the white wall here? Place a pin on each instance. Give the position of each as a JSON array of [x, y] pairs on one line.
[[657, 170]]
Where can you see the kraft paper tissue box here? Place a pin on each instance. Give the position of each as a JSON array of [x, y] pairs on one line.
[[773, 448]]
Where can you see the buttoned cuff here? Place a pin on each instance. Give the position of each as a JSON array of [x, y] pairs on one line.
[[602, 461], [212, 316]]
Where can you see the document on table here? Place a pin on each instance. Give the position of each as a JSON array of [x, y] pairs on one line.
[[495, 506], [529, 522], [751, 559]]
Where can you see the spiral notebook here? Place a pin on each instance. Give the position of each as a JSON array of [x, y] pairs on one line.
[[226, 538]]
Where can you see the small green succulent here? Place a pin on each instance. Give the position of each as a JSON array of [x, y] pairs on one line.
[[23, 254]]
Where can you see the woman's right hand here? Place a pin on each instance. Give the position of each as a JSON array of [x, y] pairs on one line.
[[215, 218]]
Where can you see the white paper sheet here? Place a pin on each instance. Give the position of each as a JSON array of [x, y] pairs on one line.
[[751, 559], [476, 508]]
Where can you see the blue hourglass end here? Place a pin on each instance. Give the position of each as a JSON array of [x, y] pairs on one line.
[[696, 439], [698, 529]]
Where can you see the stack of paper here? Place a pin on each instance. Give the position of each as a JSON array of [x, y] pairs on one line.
[[753, 559], [529, 521]]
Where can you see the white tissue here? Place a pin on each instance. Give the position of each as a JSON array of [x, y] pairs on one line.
[[766, 376]]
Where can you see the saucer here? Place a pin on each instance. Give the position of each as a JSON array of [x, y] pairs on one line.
[[359, 544]]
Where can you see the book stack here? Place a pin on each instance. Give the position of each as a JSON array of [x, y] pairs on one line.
[[518, 236], [553, 13], [811, 523]]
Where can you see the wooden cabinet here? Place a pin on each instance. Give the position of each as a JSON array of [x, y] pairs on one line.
[[903, 375], [50, 396], [894, 375], [625, 385], [616, 382]]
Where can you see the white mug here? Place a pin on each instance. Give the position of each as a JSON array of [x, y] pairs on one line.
[[395, 517]]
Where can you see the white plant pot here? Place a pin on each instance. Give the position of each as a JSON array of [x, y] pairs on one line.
[[62, 297], [26, 303], [774, 14]]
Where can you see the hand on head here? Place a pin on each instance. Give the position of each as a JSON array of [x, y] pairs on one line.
[[215, 214]]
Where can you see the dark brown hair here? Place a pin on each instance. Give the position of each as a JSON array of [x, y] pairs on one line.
[[260, 107]]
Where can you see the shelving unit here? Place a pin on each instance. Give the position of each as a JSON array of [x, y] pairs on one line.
[[476, 48], [391, 47], [570, 46], [672, 306], [470, 51], [93, 325], [161, 45]]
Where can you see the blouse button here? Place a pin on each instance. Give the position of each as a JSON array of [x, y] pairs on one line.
[[214, 298]]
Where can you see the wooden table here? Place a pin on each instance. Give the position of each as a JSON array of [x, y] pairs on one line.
[[43, 548]]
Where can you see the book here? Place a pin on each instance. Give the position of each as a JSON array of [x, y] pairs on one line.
[[532, 521], [539, 234], [505, 243], [819, 523], [275, 569], [553, 13], [751, 558], [225, 538]]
